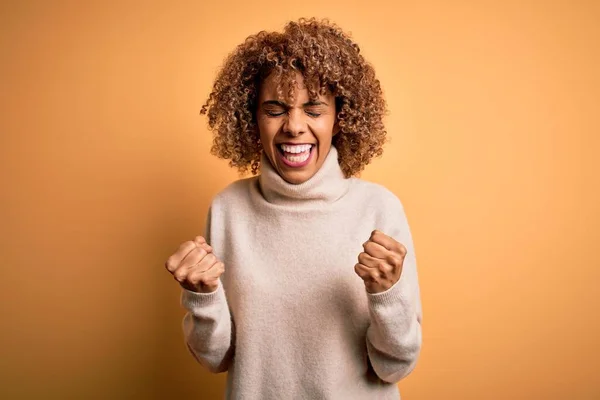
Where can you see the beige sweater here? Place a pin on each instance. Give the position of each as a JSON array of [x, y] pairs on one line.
[[291, 319]]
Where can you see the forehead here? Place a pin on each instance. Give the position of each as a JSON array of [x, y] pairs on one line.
[[285, 87]]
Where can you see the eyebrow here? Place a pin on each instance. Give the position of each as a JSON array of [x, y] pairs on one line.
[[284, 105]]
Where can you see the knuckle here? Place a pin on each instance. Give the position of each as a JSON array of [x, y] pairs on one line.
[[358, 270], [170, 264], [194, 279], [201, 253], [211, 284], [374, 275], [393, 262], [402, 250], [202, 244], [180, 276], [206, 247]]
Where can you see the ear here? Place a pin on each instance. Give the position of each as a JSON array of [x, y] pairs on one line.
[[336, 128]]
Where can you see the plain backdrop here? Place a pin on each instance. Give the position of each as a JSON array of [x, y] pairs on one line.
[[105, 170]]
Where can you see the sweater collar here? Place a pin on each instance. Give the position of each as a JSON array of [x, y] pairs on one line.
[[326, 186]]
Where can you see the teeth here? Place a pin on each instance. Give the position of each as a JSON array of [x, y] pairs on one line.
[[296, 148], [297, 159]]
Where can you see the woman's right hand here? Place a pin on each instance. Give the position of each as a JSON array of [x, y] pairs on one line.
[[195, 267]]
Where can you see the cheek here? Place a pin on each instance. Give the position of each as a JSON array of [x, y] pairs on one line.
[[267, 130], [324, 129]]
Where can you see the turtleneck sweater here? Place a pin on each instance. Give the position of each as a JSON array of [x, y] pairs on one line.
[[290, 318]]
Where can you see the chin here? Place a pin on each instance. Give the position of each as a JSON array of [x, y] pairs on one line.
[[296, 178]]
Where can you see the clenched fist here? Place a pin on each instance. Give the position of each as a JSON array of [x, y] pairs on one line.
[[195, 267], [380, 265]]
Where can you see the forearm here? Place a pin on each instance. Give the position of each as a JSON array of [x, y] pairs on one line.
[[394, 335], [208, 328]]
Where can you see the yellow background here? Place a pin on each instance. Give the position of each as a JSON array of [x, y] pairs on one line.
[[104, 170]]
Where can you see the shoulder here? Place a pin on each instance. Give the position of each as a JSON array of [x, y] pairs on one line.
[[385, 209], [233, 194], [376, 195]]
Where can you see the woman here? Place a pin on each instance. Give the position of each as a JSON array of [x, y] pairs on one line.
[[305, 286]]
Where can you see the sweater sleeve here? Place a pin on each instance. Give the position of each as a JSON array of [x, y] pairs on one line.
[[208, 328], [394, 333]]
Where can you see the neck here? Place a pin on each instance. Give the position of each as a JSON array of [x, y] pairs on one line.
[[325, 187]]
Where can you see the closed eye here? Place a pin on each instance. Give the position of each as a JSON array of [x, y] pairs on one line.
[[272, 113], [313, 110], [274, 108]]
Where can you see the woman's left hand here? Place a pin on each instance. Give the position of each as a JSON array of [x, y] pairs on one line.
[[380, 265]]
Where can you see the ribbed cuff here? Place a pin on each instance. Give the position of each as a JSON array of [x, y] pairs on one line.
[[391, 296], [191, 300]]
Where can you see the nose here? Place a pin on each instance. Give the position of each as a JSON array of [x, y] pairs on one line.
[[295, 124]]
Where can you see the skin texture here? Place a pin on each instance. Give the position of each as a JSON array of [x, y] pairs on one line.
[[195, 267], [380, 264], [296, 120]]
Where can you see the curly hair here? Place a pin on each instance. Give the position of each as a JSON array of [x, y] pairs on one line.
[[328, 60]]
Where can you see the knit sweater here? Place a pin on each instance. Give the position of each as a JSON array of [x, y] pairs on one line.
[[290, 318]]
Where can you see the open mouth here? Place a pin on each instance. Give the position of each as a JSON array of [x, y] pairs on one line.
[[295, 155]]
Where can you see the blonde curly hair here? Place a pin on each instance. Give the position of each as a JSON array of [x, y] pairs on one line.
[[329, 61]]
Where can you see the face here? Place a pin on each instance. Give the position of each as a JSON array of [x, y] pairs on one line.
[[295, 137]]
